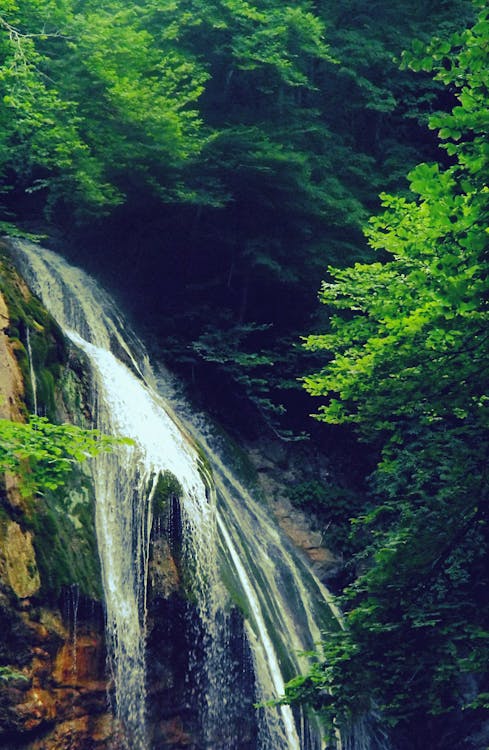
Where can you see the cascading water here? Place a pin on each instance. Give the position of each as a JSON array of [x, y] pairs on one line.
[[32, 372], [125, 479], [223, 526]]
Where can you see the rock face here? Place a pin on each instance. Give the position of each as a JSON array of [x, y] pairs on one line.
[[53, 689], [53, 682], [279, 467], [11, 390], [11, 383]]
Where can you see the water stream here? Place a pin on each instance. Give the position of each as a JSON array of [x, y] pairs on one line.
[[223, 527], [32, 371]]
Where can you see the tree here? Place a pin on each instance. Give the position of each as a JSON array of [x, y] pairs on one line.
[[94, 101], [407, 364], [306, 110]]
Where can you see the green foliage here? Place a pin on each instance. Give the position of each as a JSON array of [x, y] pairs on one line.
[[243, 141], [407, 363], [43, 454], [7, 673], [91, 100], [307, 117], [248, 369], [420, 316]]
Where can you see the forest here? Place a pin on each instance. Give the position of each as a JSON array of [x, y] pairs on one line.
[[222, 162]]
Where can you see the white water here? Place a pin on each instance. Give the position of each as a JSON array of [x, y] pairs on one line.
[[264, 642], [124, 485], [32, 372], [284, 602]]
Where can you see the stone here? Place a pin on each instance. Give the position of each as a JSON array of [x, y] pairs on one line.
[[11, 384], [171, 734], [80, 663], [38, 708], [103, 728], [11, 393], [163, 573], [65, 736], [51, 620], [20, 561]]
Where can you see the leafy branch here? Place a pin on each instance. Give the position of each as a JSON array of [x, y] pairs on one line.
[[43, 454]]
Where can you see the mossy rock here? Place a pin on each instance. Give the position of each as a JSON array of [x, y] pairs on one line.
[[62, 522], [168, 488], [65, 542], [46, 386]]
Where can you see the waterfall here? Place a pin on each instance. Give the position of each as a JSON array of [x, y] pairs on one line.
[[223, 525], [32, 372]]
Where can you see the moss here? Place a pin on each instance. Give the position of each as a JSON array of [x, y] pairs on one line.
[[167, 488], [233, 587], [65, 541], [30, 320], [45, 393]]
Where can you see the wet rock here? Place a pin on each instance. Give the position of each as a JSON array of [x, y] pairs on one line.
[[279, 467], [81, 663], [15, 647], [82, 732], [11, 384], [59, 691], [37, 708], [51, 620], [11, 393], [163, 573], [53, 686], [171, 734]]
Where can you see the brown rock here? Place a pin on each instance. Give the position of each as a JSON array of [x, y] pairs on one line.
[[299, 528], [66, 736], [163, 574], [51, 620], [172, 734], [41, 636], [11, 394], [11, 384], [38, 708], [20, 561], [103, 728], [81, 663]]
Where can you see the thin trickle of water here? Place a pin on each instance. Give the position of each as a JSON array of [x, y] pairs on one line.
[[74, 603], [32, 372]]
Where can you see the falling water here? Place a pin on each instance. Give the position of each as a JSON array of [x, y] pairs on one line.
[[125, 479], [222, 524], [286, 603], [268, 651], [32, 372], [74, 603]]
